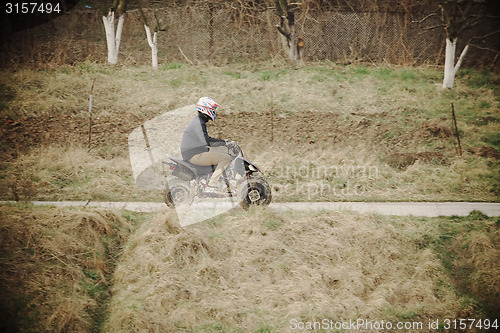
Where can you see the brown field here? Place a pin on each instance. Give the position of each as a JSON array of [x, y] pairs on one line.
[[361, 132]]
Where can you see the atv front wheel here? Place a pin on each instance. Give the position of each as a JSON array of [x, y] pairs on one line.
[[258, 192]]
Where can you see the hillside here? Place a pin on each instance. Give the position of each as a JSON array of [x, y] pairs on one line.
[[246, 271], [57, 267], [319, 131]]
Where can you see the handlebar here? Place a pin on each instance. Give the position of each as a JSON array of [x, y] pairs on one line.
[[234, 149]]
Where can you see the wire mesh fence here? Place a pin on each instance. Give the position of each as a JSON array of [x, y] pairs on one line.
[[203, 34]]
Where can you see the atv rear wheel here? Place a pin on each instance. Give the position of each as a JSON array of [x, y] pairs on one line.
[[177, 193]]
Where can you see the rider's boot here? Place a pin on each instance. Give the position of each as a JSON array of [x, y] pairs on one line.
[[212, 190]]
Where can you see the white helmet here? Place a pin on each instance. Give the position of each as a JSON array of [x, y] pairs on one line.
[[207, 106]]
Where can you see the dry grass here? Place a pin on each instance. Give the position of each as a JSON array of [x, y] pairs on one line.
[[58, 172], [255, 271], [245, 271], [470, 250], [56, 267]]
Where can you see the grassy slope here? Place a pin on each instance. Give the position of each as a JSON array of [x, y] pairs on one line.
[[249, 271], [395, 122], [256, 271], [245, 271], [57, 266]]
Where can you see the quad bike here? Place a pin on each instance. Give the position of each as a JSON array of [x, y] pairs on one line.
[[241, 180]]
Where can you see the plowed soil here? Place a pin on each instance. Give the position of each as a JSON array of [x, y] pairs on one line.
[[283, 129]]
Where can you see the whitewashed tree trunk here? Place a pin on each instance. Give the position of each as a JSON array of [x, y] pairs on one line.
[[112, 38], [118, 36], [152, 41], [449, 63], [450, 68], [110, 33]]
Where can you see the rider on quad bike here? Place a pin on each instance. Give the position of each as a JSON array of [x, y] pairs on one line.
[[212, 168], [199, 148]]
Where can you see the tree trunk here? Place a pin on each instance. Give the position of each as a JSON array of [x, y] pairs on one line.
[[449, 63], [112, 38], [153, 44], [293, 53], [292, 45], [450, 68]]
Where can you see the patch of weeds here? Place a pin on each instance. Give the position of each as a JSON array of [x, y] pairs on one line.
[[134, 217], [266, 76], [214, 327], [61, 181], [390, 134], [361, 71], [383, 89], [273, 223], [65, 70], [402, 315], [385, 73], [477, 215], [459, 245], [478, 79], [200, 80], [485, 120], [93, 285], [470, 306], [406, 75], [86, 68], [340, 76], [175, 83], [234, 75], [491, 139], [103, 71], [484, 105], [318, 78], [317, 69], [284, 98], [142, 76], [7, 94], [269, 75], [97, 290], [178, 324], [170, 65], [216, 220], [265, 328]]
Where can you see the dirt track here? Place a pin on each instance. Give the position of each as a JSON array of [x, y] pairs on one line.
[[426, 209]]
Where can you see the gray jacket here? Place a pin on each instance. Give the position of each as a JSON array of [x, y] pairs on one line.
[[195, 139]]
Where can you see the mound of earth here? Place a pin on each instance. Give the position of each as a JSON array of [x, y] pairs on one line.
[[262, 271]]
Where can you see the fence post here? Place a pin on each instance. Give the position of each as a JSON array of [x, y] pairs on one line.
[[456, 129], [91, 97]]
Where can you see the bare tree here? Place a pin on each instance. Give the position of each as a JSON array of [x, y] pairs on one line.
[[152, 39], [292, 44], [457, 16], [113, 38]]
